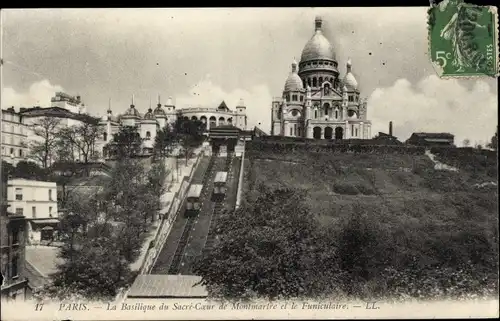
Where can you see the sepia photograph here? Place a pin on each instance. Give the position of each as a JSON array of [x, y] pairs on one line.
[[203, 163]]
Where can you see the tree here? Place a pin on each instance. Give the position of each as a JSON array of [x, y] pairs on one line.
[[190, 134], [7, 169], [164, 141], [42, 147], [466, 142], [494, 141], [272, 248], [30, 170], [83, 137], [126, 143], [98, 274]]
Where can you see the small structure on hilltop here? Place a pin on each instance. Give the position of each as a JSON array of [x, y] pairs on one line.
[[431, 139]]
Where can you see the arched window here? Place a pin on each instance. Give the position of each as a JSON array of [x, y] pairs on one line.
[[336, 114], [326, 107], [315, 82], [309, 81], [148, 135], [315, 113], [327, 89], [105, 137], [320, 81]]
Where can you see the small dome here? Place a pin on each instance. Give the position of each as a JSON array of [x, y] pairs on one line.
[[132, 112], [349, 80], [293, 82], [159, 111], [318, 47], [149, 114]]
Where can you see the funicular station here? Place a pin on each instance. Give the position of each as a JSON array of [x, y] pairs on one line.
[[211, 193]]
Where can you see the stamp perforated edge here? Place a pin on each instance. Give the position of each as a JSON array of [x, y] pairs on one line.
[[439, 70]]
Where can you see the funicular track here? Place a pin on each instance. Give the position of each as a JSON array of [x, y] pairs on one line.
[[218, 209], [183, 241]]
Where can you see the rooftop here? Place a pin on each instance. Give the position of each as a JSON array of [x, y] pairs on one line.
[[167, 286]]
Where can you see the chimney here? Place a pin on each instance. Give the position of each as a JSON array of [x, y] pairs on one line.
[[390, 128]]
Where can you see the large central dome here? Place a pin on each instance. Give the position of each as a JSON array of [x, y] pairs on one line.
[[318, 47]]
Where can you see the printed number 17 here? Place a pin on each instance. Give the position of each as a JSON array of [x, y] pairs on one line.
[[443, 57]]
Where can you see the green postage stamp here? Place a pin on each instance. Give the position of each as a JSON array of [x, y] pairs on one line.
[[463, 39]]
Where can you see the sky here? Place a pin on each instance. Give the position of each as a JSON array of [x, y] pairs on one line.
[[200, 57]]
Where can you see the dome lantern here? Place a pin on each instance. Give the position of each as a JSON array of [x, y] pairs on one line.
[[318, 23]]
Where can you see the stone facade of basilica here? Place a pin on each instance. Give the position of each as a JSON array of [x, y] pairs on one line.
[[316, 102]]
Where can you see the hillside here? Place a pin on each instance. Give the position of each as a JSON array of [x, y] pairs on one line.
[[422, 216]]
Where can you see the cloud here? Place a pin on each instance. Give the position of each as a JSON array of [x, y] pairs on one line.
[[436, 105], [257, 99], [38, 94]]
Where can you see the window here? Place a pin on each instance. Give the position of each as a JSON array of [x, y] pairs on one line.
[[294, 97], [315, 82], [105, 137], [315, 113], [295, 129], [336, 114], [33, 211], [287, 98], [50, 195], [20, 153], [19, 211], [19, 194], [356, 132], [12, 151], [295, 113], [148, 135], [352, 129], [50, 211], [327, 89], [301, 98], [351, 98], [291, 131], [15, 260]]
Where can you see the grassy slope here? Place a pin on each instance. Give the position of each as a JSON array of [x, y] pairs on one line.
[[437, 216]]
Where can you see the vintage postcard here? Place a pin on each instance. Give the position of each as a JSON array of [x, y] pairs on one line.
[[249, 163]]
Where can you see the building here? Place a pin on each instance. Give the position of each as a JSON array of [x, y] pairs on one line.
[[37, 201], [316, 102], [14, 137], [431, 139], [12, 235], [74, 104], [18, 126], [149, 123]]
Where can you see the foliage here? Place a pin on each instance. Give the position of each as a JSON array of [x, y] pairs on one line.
[[466, 142], [430, 235], [25, 169], [102, 232], [165, 140], [126, 143], [493, 144], [83, 138], [190, 134], [42, 148], [270, 248], [99, 272]]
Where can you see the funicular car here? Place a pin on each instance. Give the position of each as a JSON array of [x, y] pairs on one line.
[[220, 186], [193, 203]]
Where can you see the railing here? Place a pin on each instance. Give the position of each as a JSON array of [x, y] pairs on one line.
[[240, 180]]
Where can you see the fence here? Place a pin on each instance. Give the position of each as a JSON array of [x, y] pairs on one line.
[[167, 220]]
